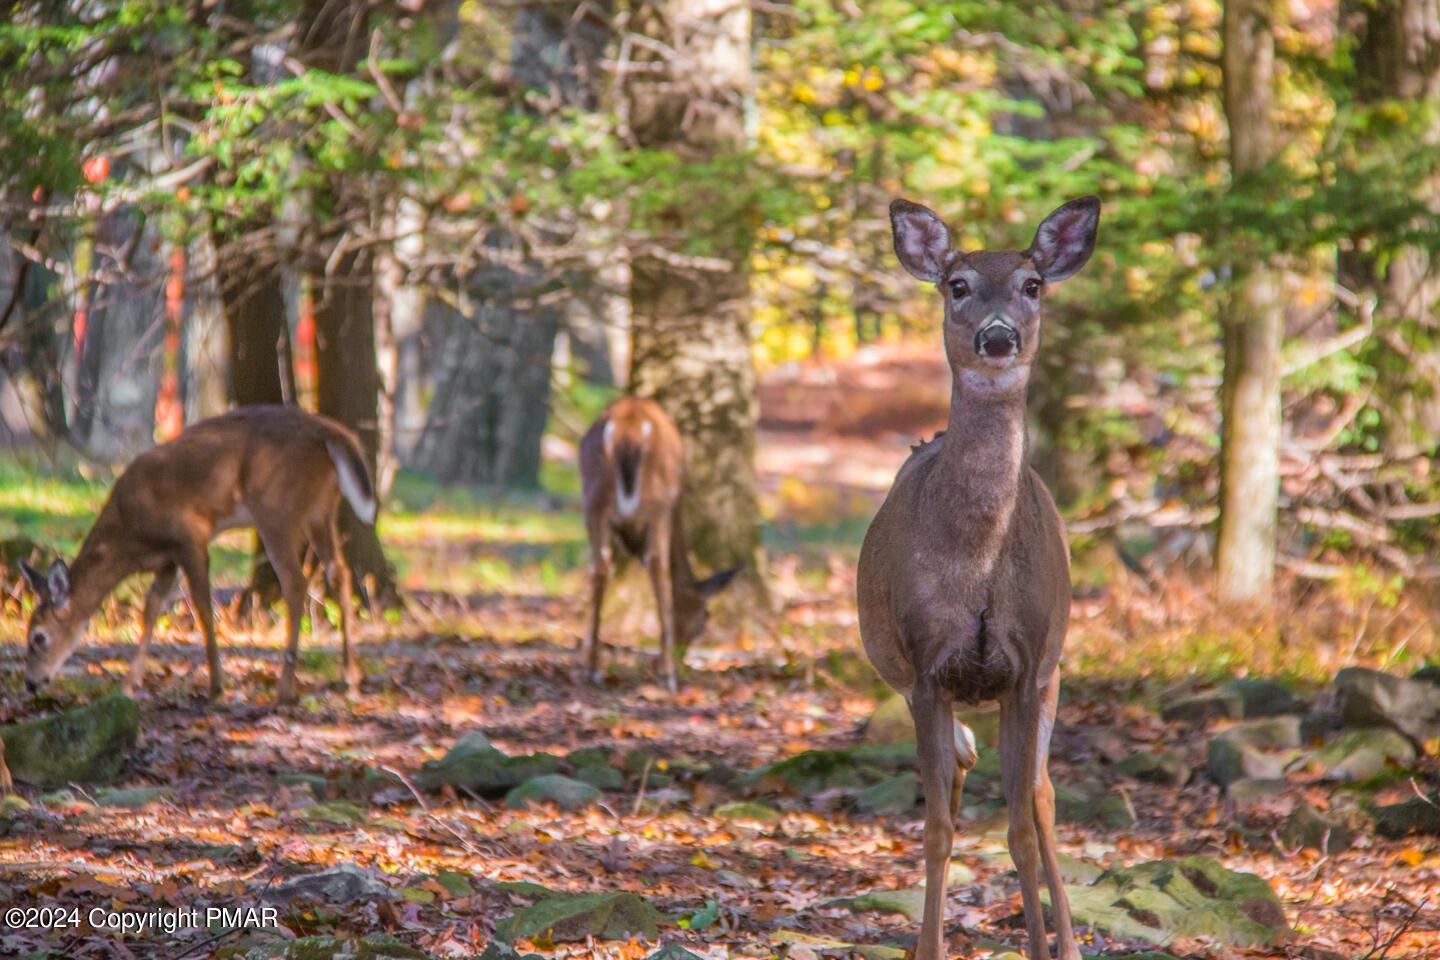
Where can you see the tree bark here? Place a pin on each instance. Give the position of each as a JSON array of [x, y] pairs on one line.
[[691, 326], [1397, 57], [207, 362], [347, 390], [1254, 324]]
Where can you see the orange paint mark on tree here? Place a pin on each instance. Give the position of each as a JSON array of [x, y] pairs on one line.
[[304, 359], [169, 408]]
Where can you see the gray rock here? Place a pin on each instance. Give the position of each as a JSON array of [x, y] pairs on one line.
[[1165, 767], [1215, 705], [1361, 754], [1246, 792], [1369, 698], [1229, 760], [1262, 698], [346, 883], [890, 722], [565, 793], [1273, 733], [1308, 827], [85, 745]]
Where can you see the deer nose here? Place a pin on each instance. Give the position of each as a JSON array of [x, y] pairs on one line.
[[997, 339], [31, 687]]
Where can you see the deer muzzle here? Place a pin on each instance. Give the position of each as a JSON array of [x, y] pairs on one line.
[[997, 340]]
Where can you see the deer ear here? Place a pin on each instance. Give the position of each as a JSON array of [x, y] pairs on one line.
[[922, 241], [1066, 239], [36, 580], [57, 583], [714, 583]]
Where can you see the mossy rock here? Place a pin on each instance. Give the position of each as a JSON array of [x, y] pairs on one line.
[[1215, 705], [132, 798], [1262, 698], [570, 918], [908, 903], [854, 768], [1156, 902], [1230, 759], [1361, 754], [475, 764], [1165, 767], [601, 777], [890, 722], [748, 810], [1416, 815], [85, 745], [897, 794], [565, 793], [338, 812], [1308, 827], [374, 947]]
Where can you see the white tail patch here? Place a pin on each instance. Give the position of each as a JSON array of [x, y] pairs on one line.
[[355, 489], [627, 502]]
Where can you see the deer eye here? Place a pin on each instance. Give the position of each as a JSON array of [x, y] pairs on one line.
[[959, 288], [39, 639], [1032, 288]]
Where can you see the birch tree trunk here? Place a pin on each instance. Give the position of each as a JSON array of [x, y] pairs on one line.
[[1254, 323]]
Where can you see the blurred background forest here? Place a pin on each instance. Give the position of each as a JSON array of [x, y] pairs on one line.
[[461, 227]]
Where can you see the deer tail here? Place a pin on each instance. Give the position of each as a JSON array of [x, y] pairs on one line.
[[355, 483]]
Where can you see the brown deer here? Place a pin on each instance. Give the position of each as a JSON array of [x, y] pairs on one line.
[[277, 469], [964, 576], [632, 473]]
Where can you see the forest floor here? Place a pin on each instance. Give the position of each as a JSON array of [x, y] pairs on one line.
[[725, 862]]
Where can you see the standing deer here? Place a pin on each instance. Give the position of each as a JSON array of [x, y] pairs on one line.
[[964, 576], [277, 469], [632, 472]]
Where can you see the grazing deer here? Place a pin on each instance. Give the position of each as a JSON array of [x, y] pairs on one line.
[[277, 469], [964, 576], [631, 469]]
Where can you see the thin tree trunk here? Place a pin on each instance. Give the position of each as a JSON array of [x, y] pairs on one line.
[[207, 362], [691, 327], [1254, 326]]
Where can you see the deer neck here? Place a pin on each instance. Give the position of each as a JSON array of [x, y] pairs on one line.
[[98, 568], [983, 452]]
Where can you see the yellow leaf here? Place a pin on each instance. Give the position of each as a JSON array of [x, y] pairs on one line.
[[703, 861]]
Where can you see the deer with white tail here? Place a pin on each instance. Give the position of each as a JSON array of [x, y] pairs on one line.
[[277, 469], [964, 576], [633, 475]]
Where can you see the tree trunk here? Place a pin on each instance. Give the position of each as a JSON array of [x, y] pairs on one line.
[[691, 324], [1253, 329], [254, 297], [493, 394], [1397, 57], [207, 363], [346, 390]]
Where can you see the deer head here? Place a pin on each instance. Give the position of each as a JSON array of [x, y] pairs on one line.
[[993, 297], [55, 626], [691, 613]]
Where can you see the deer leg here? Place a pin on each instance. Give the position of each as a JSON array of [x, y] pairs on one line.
[[942, 777], [326, 541], [1019, 723], [196, 565], [599, 579], [285, 556], [1065, 943], [157, 599], [657, 557]]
